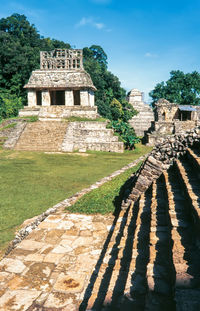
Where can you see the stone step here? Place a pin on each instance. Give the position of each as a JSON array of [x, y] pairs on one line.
[[185, 252], [42, 136], [194, 160], [147, 115], [98, 140], [106, 146], [86, 136], [137, 280], [109, 269], [187, 176], [88, 125], [183, 278], [93, 132], [159, 268]]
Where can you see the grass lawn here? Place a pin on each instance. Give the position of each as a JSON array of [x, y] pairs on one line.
[[107, 198], [31, 182]]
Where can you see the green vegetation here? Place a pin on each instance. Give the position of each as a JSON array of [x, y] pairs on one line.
[[110, 96], [30, 119], [9, 104], [105, 199], [182, 89], [31, 182], [126, 133], [11, 125]]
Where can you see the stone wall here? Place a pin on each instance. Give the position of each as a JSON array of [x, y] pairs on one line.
[[15, 135], [165, 111], [59, 112], [165, 128], [161, 158], [94, 135]]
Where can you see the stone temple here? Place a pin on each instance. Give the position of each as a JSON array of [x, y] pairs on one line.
[[143, 120], [61, 89]]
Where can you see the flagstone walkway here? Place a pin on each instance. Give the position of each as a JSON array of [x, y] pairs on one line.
[[51, 268]]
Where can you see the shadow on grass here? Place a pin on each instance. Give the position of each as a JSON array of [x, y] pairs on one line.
[[124, 192]]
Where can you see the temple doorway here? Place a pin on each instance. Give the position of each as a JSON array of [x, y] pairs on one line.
[[39, 98], [57, 98], [77, 99]]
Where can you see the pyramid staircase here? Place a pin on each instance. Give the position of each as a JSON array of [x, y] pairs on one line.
[[42, 136], [151, 257], [60, 136]]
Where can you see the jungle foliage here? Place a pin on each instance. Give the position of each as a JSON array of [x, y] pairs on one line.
[[181, 88]]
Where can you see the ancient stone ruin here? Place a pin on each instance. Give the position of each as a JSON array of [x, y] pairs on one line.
[[171, 118], [61, 89], [142, 121]]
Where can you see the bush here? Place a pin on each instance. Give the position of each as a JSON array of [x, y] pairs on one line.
[[9, 105], [126, 132]]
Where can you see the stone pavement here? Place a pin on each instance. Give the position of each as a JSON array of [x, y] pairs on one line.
[[51, 268]]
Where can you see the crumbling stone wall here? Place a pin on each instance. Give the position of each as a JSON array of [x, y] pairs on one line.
[[161, 158], [168, 120], [165, 111]]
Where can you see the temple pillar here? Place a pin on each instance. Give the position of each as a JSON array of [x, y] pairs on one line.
[[46, 100], [91, 98], [84, 98], [69, 98], [32, 100]]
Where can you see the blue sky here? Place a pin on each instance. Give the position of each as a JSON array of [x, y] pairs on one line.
[[144, 40]]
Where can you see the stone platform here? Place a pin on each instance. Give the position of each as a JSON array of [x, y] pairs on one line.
[[58, 113], [63, 136]]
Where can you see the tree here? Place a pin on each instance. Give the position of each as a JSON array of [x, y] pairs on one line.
[[20, 45], [107, 84], [183, 89]]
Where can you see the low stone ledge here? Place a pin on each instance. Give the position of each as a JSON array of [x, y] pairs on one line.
[[15, 135]]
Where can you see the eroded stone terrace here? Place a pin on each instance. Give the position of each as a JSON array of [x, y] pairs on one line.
[[146, 258]]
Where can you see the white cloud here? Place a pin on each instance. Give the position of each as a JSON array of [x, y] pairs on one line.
[[99, 25], [84, 21], [150, 55]]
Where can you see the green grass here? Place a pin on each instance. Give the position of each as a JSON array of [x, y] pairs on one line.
[[30, 118], [8, 126], [27, 118], [31, 182], [105, 199]]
